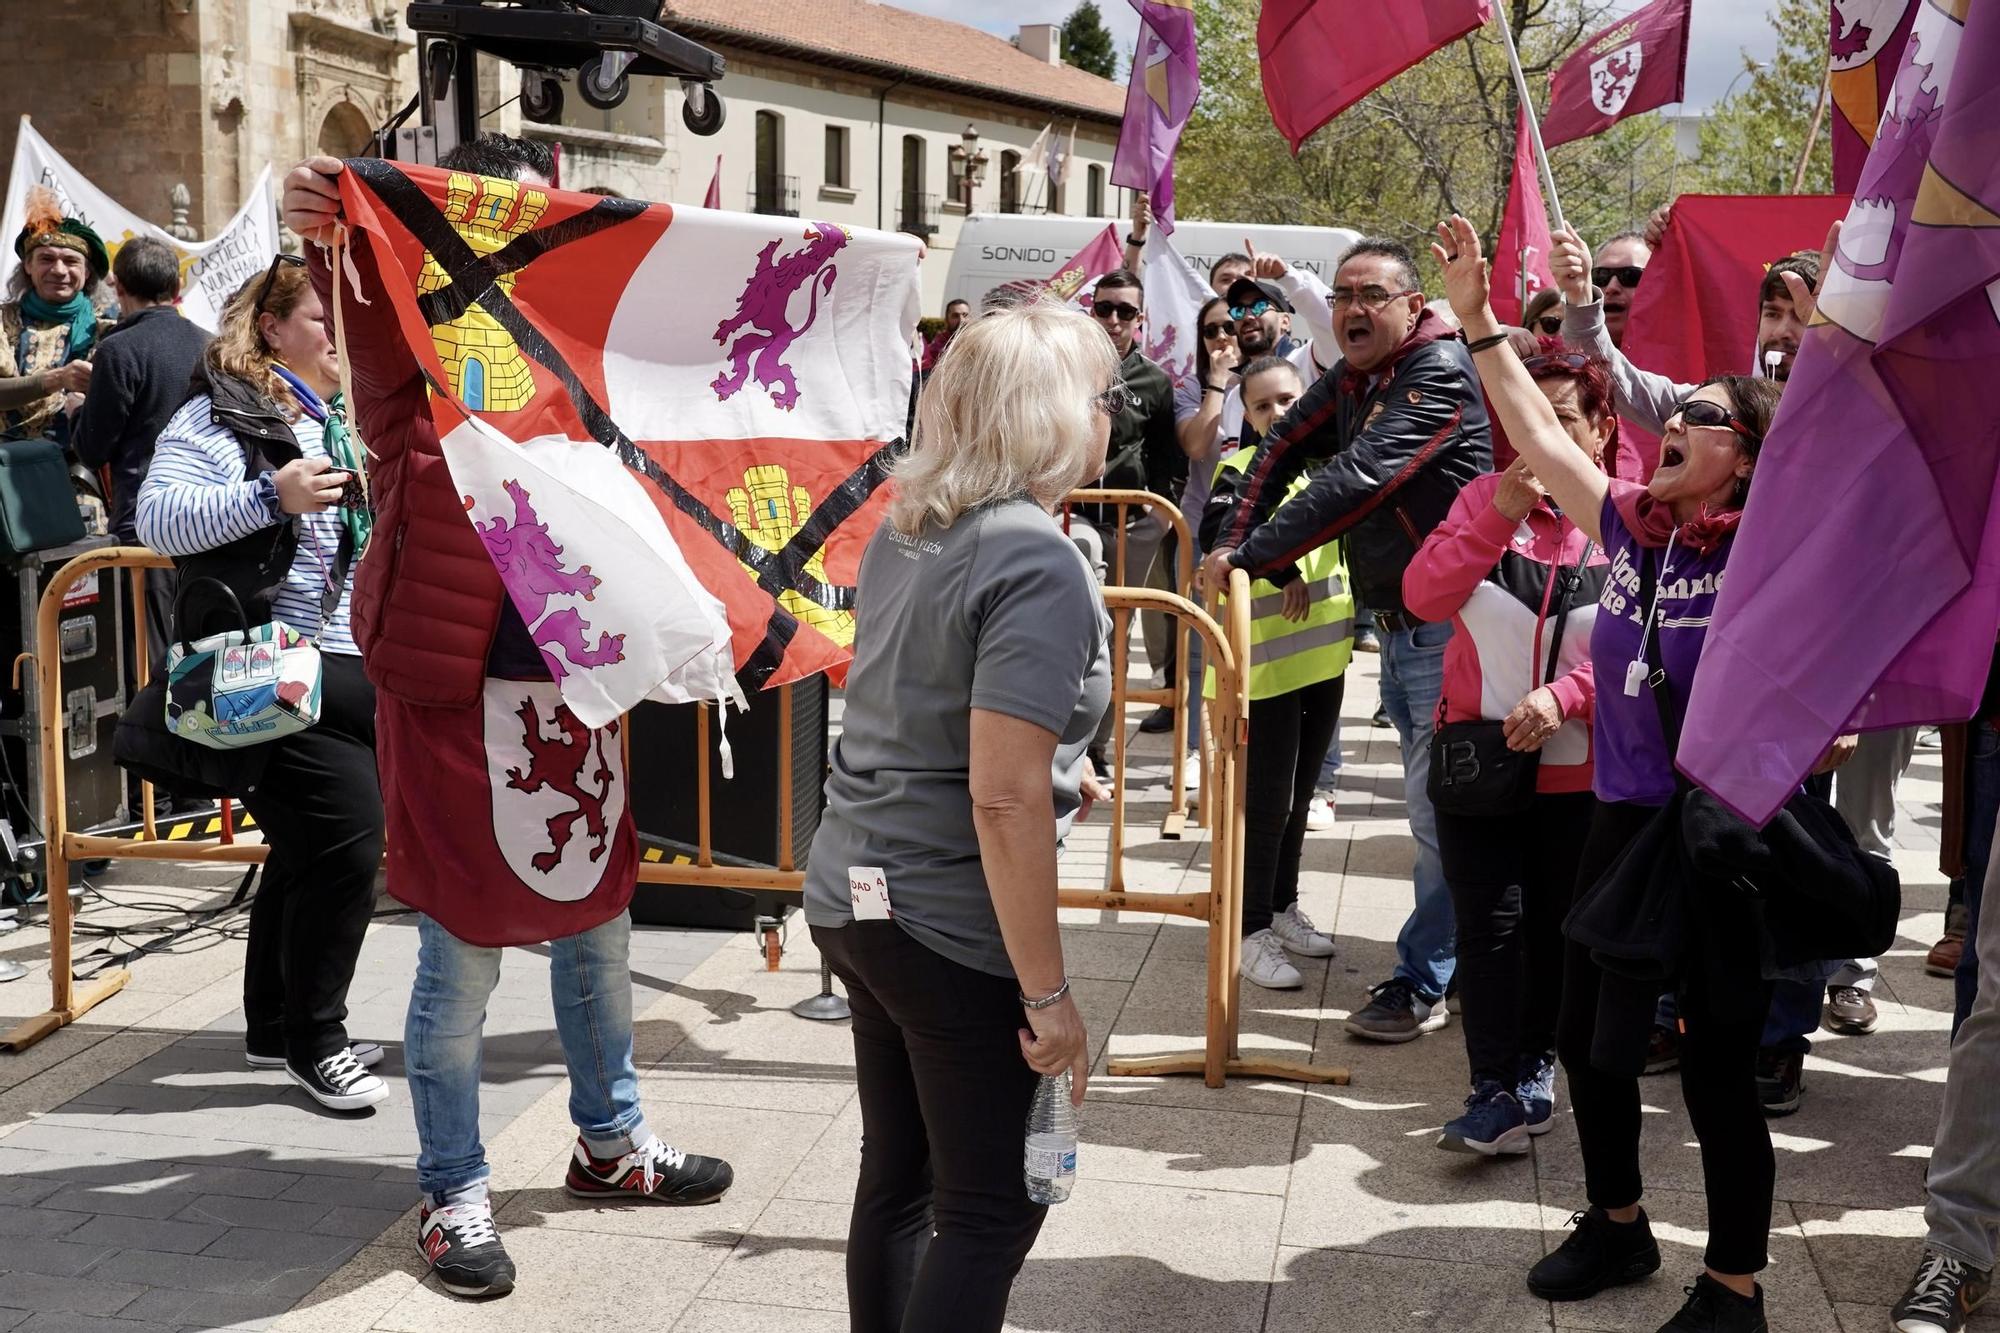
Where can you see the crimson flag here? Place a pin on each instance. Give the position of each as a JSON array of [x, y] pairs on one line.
[[1521, 255], [1696, 311], [1636, 64], [1320, 57], [1864, 50]]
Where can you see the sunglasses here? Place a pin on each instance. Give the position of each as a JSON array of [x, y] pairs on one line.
[[1257, 311], [1114, 400], [1371, 298], [1701, 412], [278, 261], [1106, 309], [1627, 276], [1557, 361], [1550, 324], [1214, 331]]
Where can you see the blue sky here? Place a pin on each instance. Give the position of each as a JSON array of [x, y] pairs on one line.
[[1723, 29]]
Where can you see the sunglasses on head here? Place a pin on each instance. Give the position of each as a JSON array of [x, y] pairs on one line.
[[1113, 401], [1556, 361], [1701, 412], [278, 261], [1256, 311], [1550, 324], [1213, 331], [1106, 309], [1627, 276]]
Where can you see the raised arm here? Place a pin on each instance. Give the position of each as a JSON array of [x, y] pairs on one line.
[[1641, 397], [1531, 425]]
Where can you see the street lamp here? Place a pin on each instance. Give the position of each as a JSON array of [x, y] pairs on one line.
[[973, 161], [1751, 68]]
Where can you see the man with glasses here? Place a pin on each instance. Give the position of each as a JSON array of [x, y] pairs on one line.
[[1395, 429], [1144, 455]]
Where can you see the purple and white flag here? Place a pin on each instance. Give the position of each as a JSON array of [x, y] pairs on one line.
[[1166, 79], [1864, 589]]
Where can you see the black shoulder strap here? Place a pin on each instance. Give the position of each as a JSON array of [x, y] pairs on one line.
[[1565, 594], [1649, 641]]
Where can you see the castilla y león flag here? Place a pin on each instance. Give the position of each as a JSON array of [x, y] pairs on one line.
[[1636, 64], [657, 417]]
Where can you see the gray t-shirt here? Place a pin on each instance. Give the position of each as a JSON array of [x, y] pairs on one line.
[[998, 612]]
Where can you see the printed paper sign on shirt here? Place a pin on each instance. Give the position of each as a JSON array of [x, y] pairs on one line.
[[868, 890]]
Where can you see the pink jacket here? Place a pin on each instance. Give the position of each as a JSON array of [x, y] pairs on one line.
[[1491, 577]]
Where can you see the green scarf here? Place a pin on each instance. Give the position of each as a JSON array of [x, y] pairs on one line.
[[77, 312], [345, 451]]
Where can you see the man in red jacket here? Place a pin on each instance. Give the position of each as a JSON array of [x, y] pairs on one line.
[[471, 734]]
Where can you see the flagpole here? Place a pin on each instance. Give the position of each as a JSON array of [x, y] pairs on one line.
[[1528, 108]]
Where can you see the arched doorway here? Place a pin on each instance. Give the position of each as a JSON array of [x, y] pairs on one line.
[[345, 132]]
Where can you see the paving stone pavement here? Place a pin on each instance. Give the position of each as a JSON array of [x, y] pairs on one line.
[[146, 1179]]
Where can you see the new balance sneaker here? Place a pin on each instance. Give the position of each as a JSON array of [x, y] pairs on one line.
[[1296, 932], [1537, 1095], [1781, 1081], [1942, 1296], [366, 1053], [1850, 1011], [1321, 816], [339, 1083], [1714, 1308], [653, 1171], [1396, 1014], [1493, 1125], [1264, 963], [1599, 1253], [462, 1246]]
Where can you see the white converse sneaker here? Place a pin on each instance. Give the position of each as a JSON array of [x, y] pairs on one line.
[[1264, 962], [1320, 816], [1296, 932]]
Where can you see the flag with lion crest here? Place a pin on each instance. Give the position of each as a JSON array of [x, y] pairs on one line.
[[671, 427]]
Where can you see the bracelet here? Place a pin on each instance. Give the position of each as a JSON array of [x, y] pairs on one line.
[[1047, 1000], [1211, 388], [1493, 341], [1132, 240]]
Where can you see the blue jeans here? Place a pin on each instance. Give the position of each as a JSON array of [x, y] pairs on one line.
[[1982, 808], [1412, 680], [590, 982]]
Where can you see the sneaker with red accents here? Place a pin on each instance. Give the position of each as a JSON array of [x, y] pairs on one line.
[[462, 1246], [652, 1171]]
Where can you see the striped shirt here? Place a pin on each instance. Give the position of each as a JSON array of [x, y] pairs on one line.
[[196, 499]]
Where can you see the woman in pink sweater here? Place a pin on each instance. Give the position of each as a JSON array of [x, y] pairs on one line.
[[1520, 584]]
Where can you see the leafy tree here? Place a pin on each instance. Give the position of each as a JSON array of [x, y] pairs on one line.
[[1086, 42], [1437, 139], [1752, 141]]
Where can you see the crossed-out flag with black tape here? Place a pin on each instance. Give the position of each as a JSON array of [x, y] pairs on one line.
[[671, 428]]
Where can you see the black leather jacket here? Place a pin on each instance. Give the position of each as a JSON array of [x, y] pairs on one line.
[[1391, 459]]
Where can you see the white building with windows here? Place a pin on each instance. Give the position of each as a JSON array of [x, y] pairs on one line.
[[862, 114]]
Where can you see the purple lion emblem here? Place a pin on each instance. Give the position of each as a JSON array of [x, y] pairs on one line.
[[762, 324], [530, 564]]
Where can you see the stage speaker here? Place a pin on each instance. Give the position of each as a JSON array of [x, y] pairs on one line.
[[743, 810]]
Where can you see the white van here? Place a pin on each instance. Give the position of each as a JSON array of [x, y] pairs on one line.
[[994, 248]]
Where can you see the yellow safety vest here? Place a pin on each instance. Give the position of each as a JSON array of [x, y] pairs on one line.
[[1288, 655]]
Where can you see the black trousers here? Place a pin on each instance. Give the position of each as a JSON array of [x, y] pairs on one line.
[[1723, 1000], [320, 807], [942, 1220], [1289, 736], [1511, 879]]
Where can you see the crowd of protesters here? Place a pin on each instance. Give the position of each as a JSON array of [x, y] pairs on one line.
[[1529, 529]]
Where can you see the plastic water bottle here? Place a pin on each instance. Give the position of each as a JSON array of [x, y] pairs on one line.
[[1051, 1149]]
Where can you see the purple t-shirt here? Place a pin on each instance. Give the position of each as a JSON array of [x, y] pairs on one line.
[[1633, 763]]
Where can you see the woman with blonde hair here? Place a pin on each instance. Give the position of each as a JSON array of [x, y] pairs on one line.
[[254, 487], [981, 669]]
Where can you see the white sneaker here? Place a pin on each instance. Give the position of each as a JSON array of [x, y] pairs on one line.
[[1320, 816], [1296, 932], [1191, 772], [1264, 962]]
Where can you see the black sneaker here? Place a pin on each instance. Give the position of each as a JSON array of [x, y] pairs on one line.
[[1942, 1296], [1159, 720], [339, 1082], [1600, 1253], [1714, 1308], [1397, 1014], [463, 1248], [1663, 1050], [652, 1171], [1781, 1081]]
